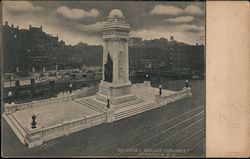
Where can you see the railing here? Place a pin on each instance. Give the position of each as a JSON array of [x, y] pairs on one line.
[[66, 128], [42, 102], [173, 97]]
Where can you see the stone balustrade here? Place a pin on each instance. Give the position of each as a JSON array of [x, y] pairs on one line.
[[11, 108], [39, 135], [185, 92]]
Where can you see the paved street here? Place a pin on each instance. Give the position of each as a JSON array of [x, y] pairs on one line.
[[177, 129]]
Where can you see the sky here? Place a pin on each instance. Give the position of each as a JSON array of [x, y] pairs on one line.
[[76, 21]]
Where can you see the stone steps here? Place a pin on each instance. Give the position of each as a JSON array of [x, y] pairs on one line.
[[18, 125], [136, 110], [128, 103], [18, 130], [146, 95], [92, 104], [96, 103]]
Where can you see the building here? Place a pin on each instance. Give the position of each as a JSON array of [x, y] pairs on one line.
[[27, 48], [34, 49], [135, 42]]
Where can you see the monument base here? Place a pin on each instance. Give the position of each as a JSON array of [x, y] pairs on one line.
[[116, 94], [90, 112]]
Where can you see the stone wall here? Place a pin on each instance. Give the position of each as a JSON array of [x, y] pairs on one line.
[[10, 108], [185, 92], [38, 135], [86, 91]]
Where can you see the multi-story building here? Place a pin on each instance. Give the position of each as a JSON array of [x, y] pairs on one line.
[[28, 48], [33, 49], [135, 41]]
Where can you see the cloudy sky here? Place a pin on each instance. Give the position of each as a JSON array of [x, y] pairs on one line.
[[76, 21]]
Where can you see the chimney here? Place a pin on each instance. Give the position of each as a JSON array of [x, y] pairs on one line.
[[12, 26], [41, 27], [29, 26], [17, 27], [6, 23]]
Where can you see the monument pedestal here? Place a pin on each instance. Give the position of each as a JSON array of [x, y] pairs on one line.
[[115, 93]]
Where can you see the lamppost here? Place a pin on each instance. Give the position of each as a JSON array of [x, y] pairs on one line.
[[10, 97], [147, 79], [186, 83], [109, 97], [160, 88], [70, 88], [11, 78], [108, 103]]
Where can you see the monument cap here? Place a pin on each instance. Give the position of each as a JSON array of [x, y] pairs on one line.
[[116, 13]]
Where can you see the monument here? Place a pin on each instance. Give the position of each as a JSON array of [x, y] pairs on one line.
[[115, 84], [117, 97]]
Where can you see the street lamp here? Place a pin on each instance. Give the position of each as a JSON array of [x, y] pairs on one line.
[[186, 83], [160, 88], [11, 78], [10, 97], [70, 88], [146, 77], [108, 103]]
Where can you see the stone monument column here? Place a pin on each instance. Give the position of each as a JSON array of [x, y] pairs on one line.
[[126, 73], [115, 84]]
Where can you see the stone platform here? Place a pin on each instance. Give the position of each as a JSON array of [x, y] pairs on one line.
[[65, 115]]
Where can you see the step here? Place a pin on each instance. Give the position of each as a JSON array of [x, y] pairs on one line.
[[136, 110], [131, 113], [9, 119], [136, 107], [128, 103], [92, 102], [146, 97], [90, 106], [18, 125], [95, 104]]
